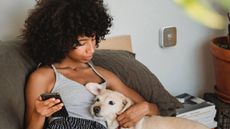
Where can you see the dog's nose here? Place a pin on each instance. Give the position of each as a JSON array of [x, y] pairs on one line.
[[96, 109]]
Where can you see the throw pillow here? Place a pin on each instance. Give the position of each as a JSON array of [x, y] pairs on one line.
[[138, 77]]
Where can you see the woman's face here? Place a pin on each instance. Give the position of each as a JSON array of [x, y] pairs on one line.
[[84, 52]]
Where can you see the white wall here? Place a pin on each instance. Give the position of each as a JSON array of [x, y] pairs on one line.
[[187, 67], [12, 16]]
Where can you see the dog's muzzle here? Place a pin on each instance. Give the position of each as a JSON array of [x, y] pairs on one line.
[[96, 109]]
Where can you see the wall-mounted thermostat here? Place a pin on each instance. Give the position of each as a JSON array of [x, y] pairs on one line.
[[168, 36]]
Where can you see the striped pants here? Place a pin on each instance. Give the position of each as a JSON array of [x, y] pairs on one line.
[[74, 123]]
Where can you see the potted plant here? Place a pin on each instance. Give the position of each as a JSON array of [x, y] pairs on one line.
[[220, 49]]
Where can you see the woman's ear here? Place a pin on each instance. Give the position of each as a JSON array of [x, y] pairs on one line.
[[95, 88], [127, 103]]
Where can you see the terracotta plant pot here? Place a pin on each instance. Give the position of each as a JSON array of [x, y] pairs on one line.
[[221, 60]]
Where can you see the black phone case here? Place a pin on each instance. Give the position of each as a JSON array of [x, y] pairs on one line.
[[61, 113]]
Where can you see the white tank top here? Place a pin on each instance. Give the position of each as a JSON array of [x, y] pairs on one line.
[[76, 98]]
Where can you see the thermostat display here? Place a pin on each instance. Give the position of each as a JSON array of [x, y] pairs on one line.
[[168, 36]]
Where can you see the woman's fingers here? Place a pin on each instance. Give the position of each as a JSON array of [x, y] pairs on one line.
[[51, 102], [130, 117], [54, 109], [122, 119], [128, 125], [48, 107], [125, 121]]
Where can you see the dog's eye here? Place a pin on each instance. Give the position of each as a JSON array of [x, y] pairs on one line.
[[97, 100], [111, 103]]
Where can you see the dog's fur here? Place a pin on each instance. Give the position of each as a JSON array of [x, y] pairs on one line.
[[108, 104]]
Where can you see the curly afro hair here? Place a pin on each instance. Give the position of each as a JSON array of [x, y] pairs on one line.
[[51, 29]]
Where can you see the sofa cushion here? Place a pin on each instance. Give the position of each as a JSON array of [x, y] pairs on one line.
[[137, 76], [14, 66]]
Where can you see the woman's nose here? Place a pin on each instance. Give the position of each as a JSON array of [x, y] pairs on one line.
[[91, 47]]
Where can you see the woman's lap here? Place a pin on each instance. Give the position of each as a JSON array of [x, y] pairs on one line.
[[74, 123]]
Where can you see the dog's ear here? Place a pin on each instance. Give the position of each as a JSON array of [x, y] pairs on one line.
[[127, 103], [95, 88]]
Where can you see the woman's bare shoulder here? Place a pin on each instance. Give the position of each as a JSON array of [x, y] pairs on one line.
[[43, 73], [43, 77]]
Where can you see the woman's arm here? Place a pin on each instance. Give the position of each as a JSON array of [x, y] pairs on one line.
[[39, 82], [138, 110]]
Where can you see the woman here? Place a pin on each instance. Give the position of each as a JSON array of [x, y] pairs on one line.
[[62, 35]]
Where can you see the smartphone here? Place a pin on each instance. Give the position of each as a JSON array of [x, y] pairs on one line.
[[61, 113]]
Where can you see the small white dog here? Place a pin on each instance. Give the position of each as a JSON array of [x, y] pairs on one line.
[[110, 103]]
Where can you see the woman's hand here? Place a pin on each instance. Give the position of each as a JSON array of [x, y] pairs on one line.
[[136, 112], [47, 107]]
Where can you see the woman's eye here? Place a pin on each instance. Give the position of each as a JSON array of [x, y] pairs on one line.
[[111, 103], [82, 43]]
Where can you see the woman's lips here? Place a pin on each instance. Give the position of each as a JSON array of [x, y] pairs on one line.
[[88, 58]]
